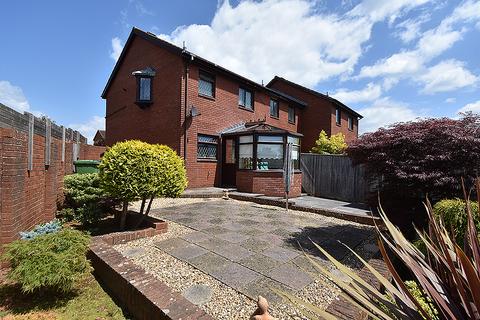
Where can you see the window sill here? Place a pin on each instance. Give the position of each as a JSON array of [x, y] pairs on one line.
[[273, 117], [206, 97], [338, 124], [245, 108], [206, 160], [291, 122], [143, 104]]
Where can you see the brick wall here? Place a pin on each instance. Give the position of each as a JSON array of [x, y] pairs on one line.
[[269, 183], [30, 197], [89, 152]]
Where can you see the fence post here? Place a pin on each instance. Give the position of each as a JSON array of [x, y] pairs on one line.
[[63, 144], [48, 141], [31, 127]]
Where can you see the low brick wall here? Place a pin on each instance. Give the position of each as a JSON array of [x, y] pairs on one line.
[[140, 293], [267, 182], [342, 308]]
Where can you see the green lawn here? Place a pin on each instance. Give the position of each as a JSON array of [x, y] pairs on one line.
[[89, 301]]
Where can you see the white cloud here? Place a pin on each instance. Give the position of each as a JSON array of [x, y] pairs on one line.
[[409, 29], [384, 112], [472, 107], [116, 48], [446, 76], [89, 128], [431, 44], [13, 97], [451, 100], [297, 41], [369, 93]]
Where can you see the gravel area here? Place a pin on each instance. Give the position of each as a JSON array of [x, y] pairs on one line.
[[225, 302]]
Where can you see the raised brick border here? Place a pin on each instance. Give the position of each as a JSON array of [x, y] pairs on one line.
[[153, 227], [343, 309], [140, 293]]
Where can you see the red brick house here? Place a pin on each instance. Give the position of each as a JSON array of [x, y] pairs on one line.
[[230, 130]]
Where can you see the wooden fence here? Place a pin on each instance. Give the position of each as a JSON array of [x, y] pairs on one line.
[[334, 177]]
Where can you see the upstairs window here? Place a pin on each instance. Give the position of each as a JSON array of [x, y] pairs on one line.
[[350, 123], [144, 89], [144, 85], [273, 108], [338, 116], [245, 98], [206, 85], [207, 147], [291, 114]]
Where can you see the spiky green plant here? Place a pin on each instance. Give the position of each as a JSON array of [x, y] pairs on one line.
[[447, 275]]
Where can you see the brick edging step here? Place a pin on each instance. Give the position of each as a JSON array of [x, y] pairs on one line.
[[143, 295]]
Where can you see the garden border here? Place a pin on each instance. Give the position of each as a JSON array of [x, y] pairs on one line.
[[140, 293]]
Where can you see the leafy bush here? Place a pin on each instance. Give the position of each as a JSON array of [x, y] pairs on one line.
[[333, 145], [454, 214], [45, 228], [446, 279], [84, 194], [414, 159], [53, 261], [134, 170]]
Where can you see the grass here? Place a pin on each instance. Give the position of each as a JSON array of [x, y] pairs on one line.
[[88, 301]]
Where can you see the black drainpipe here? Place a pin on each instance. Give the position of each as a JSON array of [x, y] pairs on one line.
[[185, 113]]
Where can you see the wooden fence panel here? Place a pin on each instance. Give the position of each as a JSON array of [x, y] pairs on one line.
[[334, 177]]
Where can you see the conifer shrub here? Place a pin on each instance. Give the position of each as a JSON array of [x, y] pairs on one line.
[[49, 262]]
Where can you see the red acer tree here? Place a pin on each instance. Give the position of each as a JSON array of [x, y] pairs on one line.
[[414, 159]]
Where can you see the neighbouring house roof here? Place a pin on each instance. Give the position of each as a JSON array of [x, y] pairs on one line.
[[152, 38], [257, 127], [318, 94], [100, 135]]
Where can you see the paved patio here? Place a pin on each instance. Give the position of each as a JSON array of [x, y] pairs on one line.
[[254, 248]]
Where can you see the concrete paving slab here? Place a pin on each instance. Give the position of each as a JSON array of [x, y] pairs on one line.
[[171, 244], [256, 245], [198, 294], [188, 252], [209, 262], [235, 275], [260, 263], [232, 252], [263, 287], [291, 276], [280, 254], [233, 237], [196, 236]]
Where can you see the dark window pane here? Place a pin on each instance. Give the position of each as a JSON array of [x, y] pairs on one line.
[[245, 156], [248, 99], [241, 96], [350, 123], [274, 108], [245, 98], [338, 116], [269, 156], [145, 87], [207, 147], [206, 85], [291, 114]]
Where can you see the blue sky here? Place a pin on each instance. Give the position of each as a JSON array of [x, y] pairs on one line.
[[391, 61]]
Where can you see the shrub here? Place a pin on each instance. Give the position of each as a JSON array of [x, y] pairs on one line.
[[410, 160], [84, 194], [446, 279], [52, 261], [454, 214], [45, 228], [134, 170], [333, 145]]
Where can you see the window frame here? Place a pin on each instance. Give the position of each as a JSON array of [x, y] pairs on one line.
[[294, 115], [338, 116], [350, 123], [216, 144], [255, 143], [207, 77], [277, 116], [139, 81], [252, 95]]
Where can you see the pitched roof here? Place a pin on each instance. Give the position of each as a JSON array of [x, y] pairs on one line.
[[101, 133], [258, 127], [152, 38], [318, 94]]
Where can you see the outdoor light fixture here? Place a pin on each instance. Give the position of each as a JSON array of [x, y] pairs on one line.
[[193, 112]]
